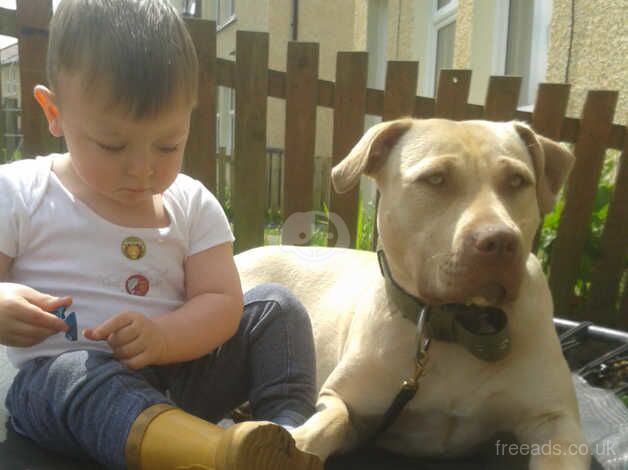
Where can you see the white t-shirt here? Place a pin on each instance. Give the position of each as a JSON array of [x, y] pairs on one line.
[[61, 247]]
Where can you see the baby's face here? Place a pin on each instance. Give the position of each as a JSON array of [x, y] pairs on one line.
[[116, 156]]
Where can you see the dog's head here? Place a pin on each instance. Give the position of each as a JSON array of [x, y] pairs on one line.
[[460, 202]]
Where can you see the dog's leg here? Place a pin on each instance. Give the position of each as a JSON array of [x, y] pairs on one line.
[[555, 442], [329, 430]]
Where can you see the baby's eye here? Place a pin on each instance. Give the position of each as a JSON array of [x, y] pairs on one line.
[[168, 148], [111, 148]]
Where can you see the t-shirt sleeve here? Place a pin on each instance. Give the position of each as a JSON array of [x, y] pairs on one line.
[[209, 225]]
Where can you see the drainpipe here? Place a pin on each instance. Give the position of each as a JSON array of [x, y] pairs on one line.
[[295, 19]]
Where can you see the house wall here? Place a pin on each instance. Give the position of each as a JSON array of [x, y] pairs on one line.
[[599, 53], [475, 46], [332, 36]]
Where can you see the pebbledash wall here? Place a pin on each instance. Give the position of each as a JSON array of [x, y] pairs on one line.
[[599, 51]]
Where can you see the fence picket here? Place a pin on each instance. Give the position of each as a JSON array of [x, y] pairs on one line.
[[452, 94], [597, 118], [200, 151], [501, 98], [300, 138], [607, 271], [349, 112], [399, 101], [32, 24], [424, 107], [400, 92], [550, 107], [251, 86]]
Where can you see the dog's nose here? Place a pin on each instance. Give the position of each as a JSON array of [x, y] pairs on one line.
[[495, 241]]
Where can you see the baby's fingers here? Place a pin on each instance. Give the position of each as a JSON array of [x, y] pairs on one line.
[[102, 331], [36, 317], [124, 336], [24, 335], [129, 350], [44, 301]]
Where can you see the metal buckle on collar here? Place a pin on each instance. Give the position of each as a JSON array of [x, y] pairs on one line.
[[422, 356]]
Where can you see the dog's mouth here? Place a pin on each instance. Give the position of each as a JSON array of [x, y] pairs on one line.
[[491, 294]]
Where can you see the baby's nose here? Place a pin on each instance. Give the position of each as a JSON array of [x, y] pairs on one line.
[[140, 165]]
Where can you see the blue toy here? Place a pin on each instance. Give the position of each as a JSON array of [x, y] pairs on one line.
[[70, 320]]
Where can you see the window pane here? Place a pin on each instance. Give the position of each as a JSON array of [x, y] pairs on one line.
[[519, 45], [441, 3], [444, 50], [189, 7]]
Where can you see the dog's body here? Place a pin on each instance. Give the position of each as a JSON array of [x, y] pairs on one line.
[[459, 207]]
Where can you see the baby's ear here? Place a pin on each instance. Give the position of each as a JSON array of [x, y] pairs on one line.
[[552, 164], [46, 100]]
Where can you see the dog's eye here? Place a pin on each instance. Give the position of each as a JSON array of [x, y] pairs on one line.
[[516, 181], [435, 179]]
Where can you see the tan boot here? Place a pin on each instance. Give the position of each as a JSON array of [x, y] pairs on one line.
[[167, 438]]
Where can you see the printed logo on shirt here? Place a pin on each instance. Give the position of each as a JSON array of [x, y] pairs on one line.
[[137, 285], [156, 278], [133, 248]]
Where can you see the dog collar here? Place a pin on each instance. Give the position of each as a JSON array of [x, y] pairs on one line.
[[480, 330]]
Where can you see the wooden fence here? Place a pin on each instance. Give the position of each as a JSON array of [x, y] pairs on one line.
[[350, 99]]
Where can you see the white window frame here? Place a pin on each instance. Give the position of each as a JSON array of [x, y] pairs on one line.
[[542, 17], [439, 19], [230, 16]]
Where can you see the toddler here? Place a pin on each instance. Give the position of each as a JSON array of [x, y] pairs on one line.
[[120, 302]]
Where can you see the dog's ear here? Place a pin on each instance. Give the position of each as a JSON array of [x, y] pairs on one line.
[[552, 164], [368, 154]]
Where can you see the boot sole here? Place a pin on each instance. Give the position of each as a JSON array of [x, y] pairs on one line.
[[255, 445]]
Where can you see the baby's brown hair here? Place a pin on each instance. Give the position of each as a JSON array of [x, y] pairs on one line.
[[139, 49]]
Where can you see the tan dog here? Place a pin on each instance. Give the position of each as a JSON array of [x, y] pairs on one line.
[[460, 205]]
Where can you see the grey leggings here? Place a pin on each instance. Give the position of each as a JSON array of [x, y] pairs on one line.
[[82, 403]]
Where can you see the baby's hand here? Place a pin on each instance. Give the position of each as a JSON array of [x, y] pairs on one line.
[[24, 317], [135, 339]]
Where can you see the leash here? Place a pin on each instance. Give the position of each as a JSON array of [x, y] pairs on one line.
[[410, 386], [480, 330]]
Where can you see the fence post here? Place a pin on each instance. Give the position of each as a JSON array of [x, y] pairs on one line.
[[550, 108], [200, 151], [607, 271], [300, 138], [502, 98], [452, 94], [595, 127], [399, 101], [32, 18], [349, 111], [251, 85]]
